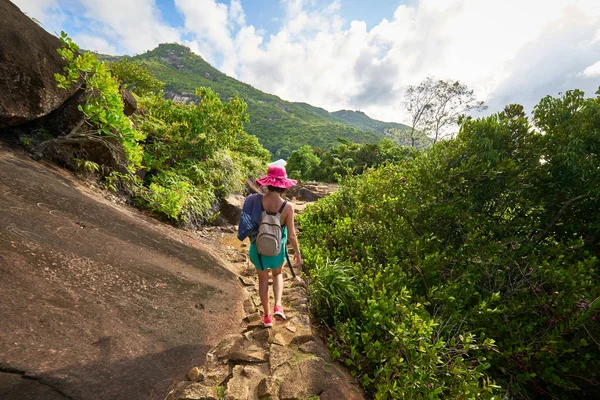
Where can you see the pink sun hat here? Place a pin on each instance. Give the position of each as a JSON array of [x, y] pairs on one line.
[[276, 176]]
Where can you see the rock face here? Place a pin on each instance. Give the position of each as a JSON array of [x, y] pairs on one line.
[[104, 151], [98, 300], [28, 62], [182, 98]]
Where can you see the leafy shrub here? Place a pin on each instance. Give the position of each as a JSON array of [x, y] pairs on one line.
[[195, 154], [103, 108], [335, 290], [135, 77], [177, 197], [474, 262], [302, 163]]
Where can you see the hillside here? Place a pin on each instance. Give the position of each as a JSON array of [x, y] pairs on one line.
[[281, 126], [362, 121]]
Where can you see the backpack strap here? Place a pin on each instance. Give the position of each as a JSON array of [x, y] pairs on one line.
[[274, 213], [287, 257], [282, 207]]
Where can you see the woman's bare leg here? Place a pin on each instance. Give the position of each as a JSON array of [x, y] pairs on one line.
[[263, 290], [277, 285]]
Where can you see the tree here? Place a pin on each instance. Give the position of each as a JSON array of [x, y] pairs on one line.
[[135, 77], [408, 137], [302, 163], [435, 105]]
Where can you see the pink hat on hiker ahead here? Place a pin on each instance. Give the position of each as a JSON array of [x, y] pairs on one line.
[[277, 177]]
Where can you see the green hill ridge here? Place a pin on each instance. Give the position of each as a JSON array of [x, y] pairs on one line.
[[281, 126], [362, 121]]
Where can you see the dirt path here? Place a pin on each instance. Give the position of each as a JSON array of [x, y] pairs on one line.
[[98, 301]]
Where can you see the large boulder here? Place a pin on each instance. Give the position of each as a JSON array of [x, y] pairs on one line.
[[105, 151], [305, 194], [28, 62], [129, 102], [66, 118], [231, 208]]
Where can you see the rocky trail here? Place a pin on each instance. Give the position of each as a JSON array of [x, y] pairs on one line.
[[288, 361]]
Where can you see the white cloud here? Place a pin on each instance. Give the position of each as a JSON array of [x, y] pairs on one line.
[[135, 24], [593, 70], [130, 26], [94, 43], [596, 37], [236, 13], [210, 21], [507, 50], [35, 8], [314, 59], [47, 12]]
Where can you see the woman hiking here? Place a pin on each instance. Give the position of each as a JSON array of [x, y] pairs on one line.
[[269, 219]]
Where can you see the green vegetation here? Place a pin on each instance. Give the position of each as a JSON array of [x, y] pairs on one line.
[[220, 392], [134, 77], [303, 163], [190, 155], [196, 154], [280, 126], [469, 270], [103, 108], [345, 159]]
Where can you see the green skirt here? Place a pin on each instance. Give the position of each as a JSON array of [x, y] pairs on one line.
[[269, 262]]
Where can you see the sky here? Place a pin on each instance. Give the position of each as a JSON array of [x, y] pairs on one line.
[[357, 54]]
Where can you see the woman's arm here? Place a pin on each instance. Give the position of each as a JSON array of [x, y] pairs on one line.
[[289, 223]]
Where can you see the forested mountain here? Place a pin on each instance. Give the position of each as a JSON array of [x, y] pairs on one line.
[[281, 126], [360, 120]]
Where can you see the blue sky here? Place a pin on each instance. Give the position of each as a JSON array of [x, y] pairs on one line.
[[170, 13], [267, 14], [357, 54]]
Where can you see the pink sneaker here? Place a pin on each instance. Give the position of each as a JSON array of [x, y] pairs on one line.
[[278, 312], [267, 321]]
